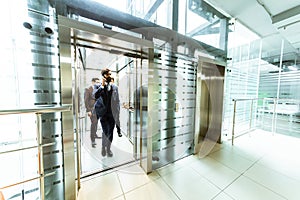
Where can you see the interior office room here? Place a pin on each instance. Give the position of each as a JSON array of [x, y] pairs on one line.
[[208, 93]]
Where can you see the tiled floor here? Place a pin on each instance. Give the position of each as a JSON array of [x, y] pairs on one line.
[[260, 166], [91, 159]]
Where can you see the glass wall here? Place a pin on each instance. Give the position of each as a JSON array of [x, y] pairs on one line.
[[16, 89], [200, 21], [242, 78], [156, 11], [196, 18], [279, 80], [266, 70], [29, 77]]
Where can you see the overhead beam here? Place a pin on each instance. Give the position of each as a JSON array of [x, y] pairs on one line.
[[93, 10], [286, 14], [153, 9], [201, 29]]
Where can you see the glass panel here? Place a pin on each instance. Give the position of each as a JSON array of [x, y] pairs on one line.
[[268, 83], [156, 11], [29, 76], [242, 76], [26, 191], [123, 70], [204, 23], [288, 104], [17, 131], [239, 35], [277, 66]]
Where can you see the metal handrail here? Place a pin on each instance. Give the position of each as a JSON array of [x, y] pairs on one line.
[[30, 147], [278, 99], [38, 111], [28, 180], [275, 100]]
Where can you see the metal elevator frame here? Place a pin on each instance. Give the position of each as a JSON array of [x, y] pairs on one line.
[[101, 13], [68, 31]]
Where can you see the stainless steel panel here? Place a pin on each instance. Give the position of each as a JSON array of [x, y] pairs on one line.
[[46, 90], [90, 36], [174, 83], [211, 101], [67, 117]]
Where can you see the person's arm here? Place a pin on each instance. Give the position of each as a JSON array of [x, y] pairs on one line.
[[118, 110], [97, 90], [87, 99]]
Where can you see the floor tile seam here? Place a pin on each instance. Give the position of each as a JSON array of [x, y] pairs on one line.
[[224, 164], [174, 192], [110, 171], [221, 193], [254, 163], [149, 182], [240, 174], [239, 155], [264, 186], [278, 172], [194, 159], [120, 183], [243, 175], [122, 168], [97, 175], [163, 176], [267, 166], [256, 157], [136, 188], [122, 195], [173, 170], [221, 190]]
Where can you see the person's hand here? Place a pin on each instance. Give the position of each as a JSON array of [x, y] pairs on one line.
[[103, 81], [89, 113]]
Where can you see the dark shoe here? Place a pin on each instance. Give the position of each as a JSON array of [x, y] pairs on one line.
[[94, 144], [103, 152], [109, 153], [119, 131]]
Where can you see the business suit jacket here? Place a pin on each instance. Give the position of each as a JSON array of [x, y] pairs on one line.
[[89, 99], [115, 101]]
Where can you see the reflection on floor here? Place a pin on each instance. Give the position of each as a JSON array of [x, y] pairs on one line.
[[260, 166], [92, 160]]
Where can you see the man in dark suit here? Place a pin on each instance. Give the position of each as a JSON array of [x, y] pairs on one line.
[[89, 102], [117, 120], [110, 96]]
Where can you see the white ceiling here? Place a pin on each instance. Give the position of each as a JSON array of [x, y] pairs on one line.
[[257, 16]]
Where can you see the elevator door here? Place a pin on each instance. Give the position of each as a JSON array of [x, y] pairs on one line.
[[93, 48], [123, 148], [211, 101]]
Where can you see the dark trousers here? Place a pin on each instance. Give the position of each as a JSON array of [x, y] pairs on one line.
[[108, 124], [94, 126]]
